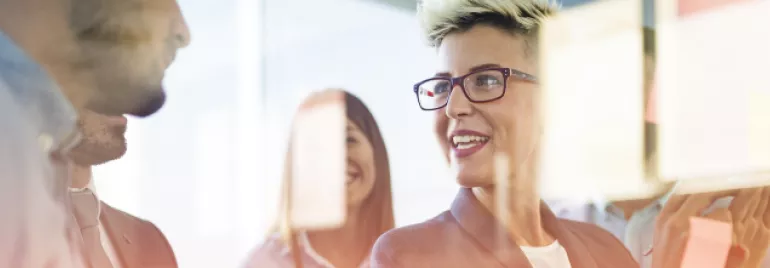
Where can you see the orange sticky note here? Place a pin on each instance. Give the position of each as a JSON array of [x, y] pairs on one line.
[[708, 245]]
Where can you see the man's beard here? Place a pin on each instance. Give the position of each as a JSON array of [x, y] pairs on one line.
[[100, 148]]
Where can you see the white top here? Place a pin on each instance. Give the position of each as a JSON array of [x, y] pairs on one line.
[[550, 256], [107, 244]]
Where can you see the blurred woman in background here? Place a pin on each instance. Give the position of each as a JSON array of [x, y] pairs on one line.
[[368, 199]]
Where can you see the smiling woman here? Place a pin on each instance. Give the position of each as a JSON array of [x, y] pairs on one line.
[[485, 97], [369, 204]]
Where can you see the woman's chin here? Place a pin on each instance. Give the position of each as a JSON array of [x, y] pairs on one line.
[[473, 173], [469, 181], [470, 176]]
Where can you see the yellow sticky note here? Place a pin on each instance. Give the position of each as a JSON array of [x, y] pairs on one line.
[[759, 128], [591, 79], [709, 111], [318, 163]]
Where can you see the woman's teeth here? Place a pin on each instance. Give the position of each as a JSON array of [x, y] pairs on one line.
[[466, 145], [468, 141]]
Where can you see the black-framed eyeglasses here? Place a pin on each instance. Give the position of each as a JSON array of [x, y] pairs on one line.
[[479, 86]]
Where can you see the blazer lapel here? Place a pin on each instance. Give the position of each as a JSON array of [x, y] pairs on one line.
[[579, 256], [483, 227], [121, 236]]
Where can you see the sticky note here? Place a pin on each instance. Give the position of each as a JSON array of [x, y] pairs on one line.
[[759, 128], [593, 102], [708, 244], [709, 111], [318, 162], [690, 7]]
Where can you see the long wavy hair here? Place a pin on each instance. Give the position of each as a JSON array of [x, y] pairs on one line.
[[377, 208]]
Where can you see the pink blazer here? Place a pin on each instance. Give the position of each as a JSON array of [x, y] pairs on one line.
[[467, 236]]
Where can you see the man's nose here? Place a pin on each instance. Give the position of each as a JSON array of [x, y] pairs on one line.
[[181, 32]]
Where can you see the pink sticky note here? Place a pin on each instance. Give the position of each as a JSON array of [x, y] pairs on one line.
[[708, 245], [689, 7]]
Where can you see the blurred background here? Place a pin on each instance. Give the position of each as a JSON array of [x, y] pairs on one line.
[[207, 168]]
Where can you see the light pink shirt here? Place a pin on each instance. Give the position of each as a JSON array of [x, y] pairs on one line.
[[275, 253], [107, 244]]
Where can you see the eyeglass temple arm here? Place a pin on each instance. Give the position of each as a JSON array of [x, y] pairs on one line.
[[523, 75]]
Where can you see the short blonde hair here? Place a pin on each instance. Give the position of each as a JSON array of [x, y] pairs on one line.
[[439, 18]]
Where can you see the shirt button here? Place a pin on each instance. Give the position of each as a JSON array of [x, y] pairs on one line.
[[647, 250], [45, 141]]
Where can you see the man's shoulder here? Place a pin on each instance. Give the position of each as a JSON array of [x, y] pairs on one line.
[[154, 248], [146, 231], [126, 218]]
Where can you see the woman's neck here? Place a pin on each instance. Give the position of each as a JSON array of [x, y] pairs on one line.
[[521, 215], [344, 247]]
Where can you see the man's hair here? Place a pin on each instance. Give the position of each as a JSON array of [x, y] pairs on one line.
[[440, 18]]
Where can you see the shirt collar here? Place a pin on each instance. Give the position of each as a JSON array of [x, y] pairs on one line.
[[44, 104], [604, 206], [301, 241], [480, 224], [91, 187]]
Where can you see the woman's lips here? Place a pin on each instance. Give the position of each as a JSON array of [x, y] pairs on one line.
[[467, 142], [466, 150]]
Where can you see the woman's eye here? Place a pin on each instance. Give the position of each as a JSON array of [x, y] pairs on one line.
[[441, 88], [487, 80], [351, 140]]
